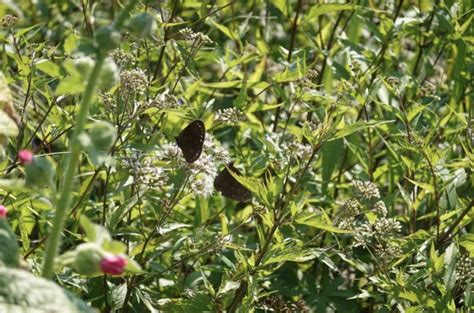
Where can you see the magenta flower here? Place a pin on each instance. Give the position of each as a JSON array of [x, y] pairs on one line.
[[25, 156], [3, 211], [113, 264]]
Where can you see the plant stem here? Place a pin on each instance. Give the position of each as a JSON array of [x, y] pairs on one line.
[[242, 291], [65, 198], [75, 153], [294, 29]]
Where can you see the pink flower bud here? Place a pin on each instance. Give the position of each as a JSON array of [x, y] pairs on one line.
[[25, 156], [3, 211], [113, 264]]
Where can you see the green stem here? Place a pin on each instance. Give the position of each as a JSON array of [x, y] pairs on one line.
[[75, 149], [75, 153]]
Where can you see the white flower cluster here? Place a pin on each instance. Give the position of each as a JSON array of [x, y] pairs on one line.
[[229, 115], [285, 149], [203, 173], [366, 190], [205, 169], [387, 226], [165, 101], [8, 20], [465, 269], [189, 35], [170, 152], [121, 58], [379, 236], [146, 173], [380, 208], [133, 81], [347, 214]]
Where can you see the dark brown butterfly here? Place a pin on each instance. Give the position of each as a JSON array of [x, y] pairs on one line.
[[229, 187], [191, 140]]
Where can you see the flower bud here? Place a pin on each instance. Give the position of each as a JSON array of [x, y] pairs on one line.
[[102, 135], [142, 24], [40, 172], [109, 75], [3, 211], [107, 39], [25, 156], [88, 259], [84, 65], [113, 264]]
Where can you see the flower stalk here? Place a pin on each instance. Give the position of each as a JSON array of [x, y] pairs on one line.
[[74, 156]]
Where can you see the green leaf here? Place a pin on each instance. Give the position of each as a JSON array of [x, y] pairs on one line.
[[8, 127], [344, 130], [40, 173], [228, 286], [71, 85], [436, 260], [292, 255], [94, 233], [122, 210], [331, 156], [450, 260], [70, 43], [13, 185], [282, 5], [425, 186], [198, 303], [220, 85], [225, 30], [133, 267], [9, 249], [320, 9], [317, 221], [467, 241], [21, 291], [48, 67], [89, 228]]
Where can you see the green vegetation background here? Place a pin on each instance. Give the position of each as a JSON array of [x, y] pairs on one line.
[[352, 124]]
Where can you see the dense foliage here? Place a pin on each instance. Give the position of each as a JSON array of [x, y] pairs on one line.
[[350, 123]]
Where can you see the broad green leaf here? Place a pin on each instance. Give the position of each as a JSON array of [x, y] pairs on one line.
[[71, 85], [282, 5], [450, 260], [48, 67]]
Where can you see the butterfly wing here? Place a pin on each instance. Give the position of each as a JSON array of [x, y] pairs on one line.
[[229, 187], [191, 140]]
